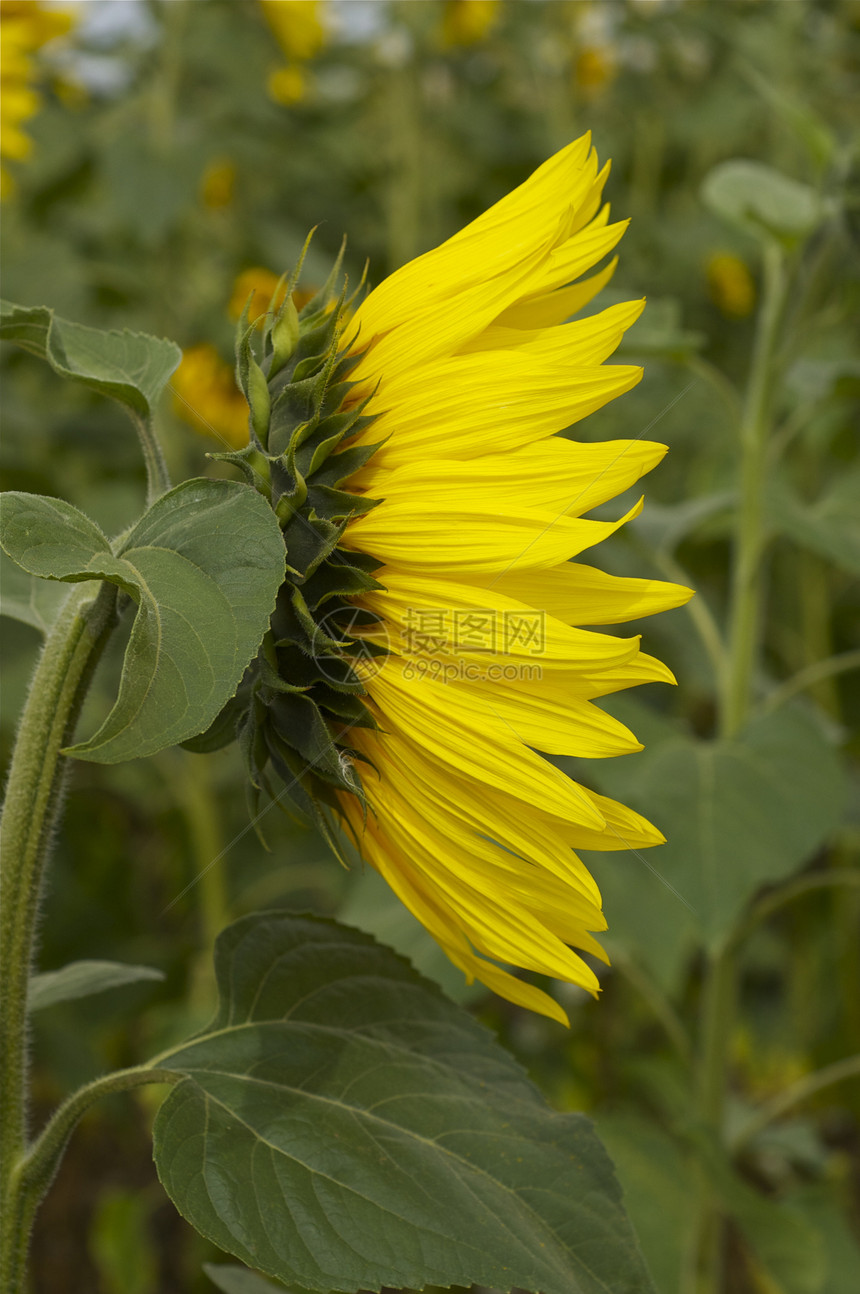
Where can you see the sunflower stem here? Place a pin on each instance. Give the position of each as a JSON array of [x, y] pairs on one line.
[[31, 810], [747, 584], [35, 1170], [719, 988]]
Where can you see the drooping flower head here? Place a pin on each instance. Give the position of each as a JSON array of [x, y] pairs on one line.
[[433, 635]]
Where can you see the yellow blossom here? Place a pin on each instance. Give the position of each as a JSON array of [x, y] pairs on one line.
[[594, 69], [218, 183], [466, 22], [260, 285], [730, 284], [205, 395], [25, 26], [287, 85], [470, 373], [299, 30], [296, 25]]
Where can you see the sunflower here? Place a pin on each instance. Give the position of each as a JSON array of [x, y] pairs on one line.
[[431, 510], [26, 25]]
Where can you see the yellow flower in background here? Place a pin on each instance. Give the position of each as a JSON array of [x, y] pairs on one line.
[[206, 396], [730, 284], [594, 69], [260, 285], [466, 22], [218, 184], [287, 85], [296, 25], [25, 26], [470, 373], [299, 30]]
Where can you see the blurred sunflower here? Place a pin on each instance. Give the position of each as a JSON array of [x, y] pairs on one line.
[[299, 30], [730, 285], [431, 632], [25, 26], [467, 22], [206, 396]]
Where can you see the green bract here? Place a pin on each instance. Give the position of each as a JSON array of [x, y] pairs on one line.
[[301, 696]]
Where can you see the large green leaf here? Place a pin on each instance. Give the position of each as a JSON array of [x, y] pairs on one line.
[[132, 367], [343, 1126], [830, 526], [204, 566], [659, 1188], [737, 815]]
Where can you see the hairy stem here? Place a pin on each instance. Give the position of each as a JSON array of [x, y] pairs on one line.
[[157, 475], [34, 1172], [33, 798]]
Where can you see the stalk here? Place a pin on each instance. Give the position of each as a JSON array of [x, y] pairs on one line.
[[719, 988], [747, 585], [33, 800]]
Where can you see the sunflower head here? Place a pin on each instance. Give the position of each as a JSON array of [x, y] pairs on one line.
[[302, 694], [436, 623]]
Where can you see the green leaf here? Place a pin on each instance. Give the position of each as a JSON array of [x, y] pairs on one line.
[[238, 1280], [659, 1190], [204, 565], [829, 527], [83, 979], [26, 598], [372, 906], [52, 539], [761, 200], [131, 367], [342, 1125], [737, 815], [664, 526]]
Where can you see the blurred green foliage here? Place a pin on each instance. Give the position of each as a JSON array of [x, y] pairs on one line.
[[161, 170]]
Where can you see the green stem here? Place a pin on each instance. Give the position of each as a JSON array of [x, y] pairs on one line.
[[717, 1018], [716, 379], [746, 593], [802, 1090], [719, 988], [33, 799], [703, 618], [813, 674], [33, 1173], [658, 1002], [157, 475]]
